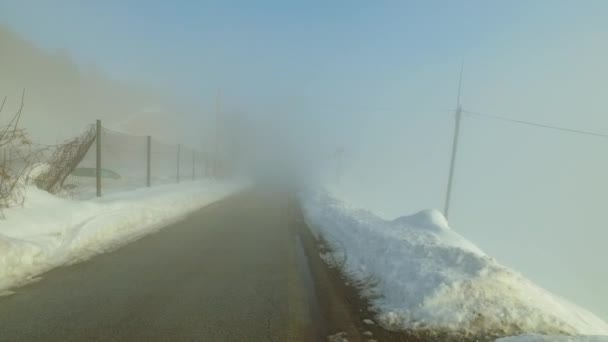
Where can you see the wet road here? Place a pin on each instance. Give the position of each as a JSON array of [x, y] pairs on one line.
[[226, 273]]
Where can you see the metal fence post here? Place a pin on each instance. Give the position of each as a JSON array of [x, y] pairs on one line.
[[149, 162], [179, 147], [98, 155]]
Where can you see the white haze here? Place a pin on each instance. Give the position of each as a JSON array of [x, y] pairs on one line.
[[295, 93]]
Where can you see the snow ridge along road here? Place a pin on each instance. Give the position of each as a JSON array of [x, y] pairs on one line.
[[426, 278], [50, 231]]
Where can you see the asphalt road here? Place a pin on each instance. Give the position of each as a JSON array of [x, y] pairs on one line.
[[229, 272]]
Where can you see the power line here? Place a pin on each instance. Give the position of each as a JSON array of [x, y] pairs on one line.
[[557, 128]]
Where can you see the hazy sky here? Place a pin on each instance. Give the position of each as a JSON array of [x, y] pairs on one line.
[[379, 78]]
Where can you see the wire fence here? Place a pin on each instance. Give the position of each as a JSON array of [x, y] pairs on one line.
[[96, 162], [130, 162]]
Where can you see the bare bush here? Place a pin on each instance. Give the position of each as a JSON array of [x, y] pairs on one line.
[[13, 169]]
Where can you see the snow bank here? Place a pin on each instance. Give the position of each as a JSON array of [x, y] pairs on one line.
[[425, 276], [49, 231]]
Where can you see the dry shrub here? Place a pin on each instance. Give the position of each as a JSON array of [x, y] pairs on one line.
[[20, 157], [19, 163]]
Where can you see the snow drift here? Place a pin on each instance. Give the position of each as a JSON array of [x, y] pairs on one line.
[[49, 231], [425, 276]]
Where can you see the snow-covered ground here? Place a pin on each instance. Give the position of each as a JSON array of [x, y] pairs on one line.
[[425, 276], [49, 231]]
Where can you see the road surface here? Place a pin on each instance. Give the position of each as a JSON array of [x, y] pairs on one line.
[[229, 272]]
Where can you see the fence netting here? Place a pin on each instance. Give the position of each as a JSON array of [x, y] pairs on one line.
[[61, 160], [124, 165]]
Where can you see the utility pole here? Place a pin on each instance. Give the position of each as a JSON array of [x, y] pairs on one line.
[[454, 147]]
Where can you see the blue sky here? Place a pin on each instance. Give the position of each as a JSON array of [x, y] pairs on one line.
[[297, 50], [380, 78]]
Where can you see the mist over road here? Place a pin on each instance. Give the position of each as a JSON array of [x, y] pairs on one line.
[[226, 273]]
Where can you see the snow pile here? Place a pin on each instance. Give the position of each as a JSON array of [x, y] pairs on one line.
[[423, 276], [50, 231]]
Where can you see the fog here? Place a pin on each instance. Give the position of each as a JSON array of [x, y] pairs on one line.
[[284, 87]]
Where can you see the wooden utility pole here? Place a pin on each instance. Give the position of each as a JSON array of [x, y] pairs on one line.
[[454, 147]]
